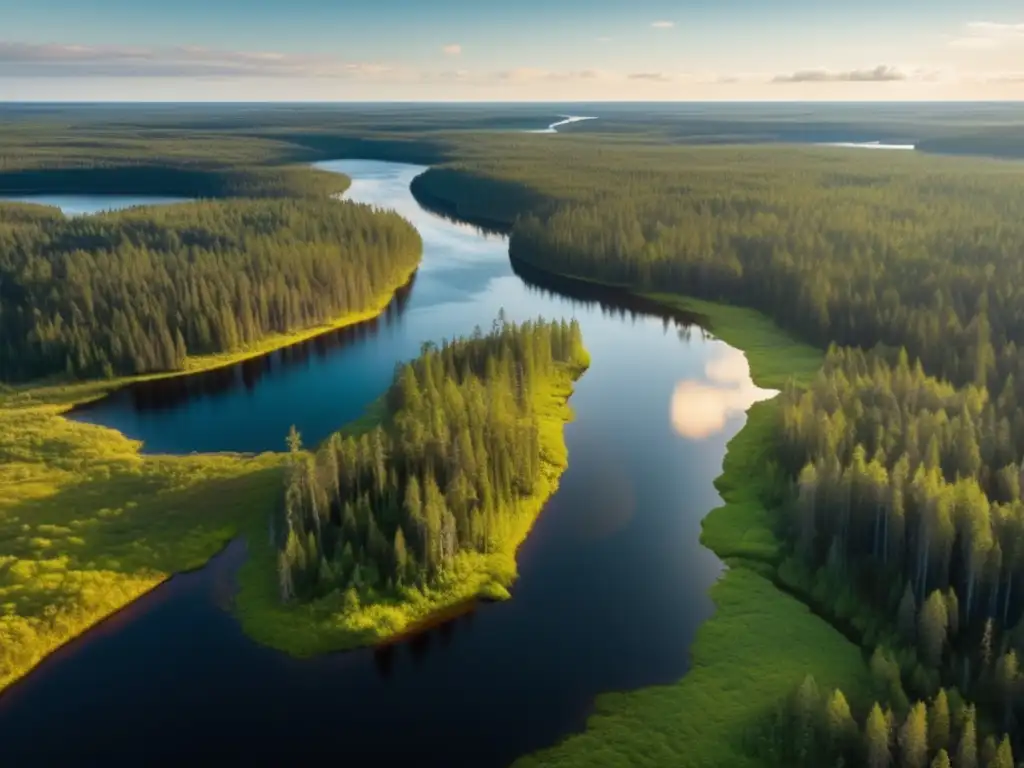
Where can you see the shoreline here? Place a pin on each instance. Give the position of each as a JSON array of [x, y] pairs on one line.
[[762, 639], [740, 592], [477, 577], [34, 418], [72, 395]]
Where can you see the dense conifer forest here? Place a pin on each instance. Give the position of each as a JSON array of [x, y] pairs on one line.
[[457, 451], [137, 291], [814, 728], [897, 472]]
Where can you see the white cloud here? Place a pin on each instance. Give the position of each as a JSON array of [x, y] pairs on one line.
[[452, 49], [57, 60], [880, 74], [663, 24]]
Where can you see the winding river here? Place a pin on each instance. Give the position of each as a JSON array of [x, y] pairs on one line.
[[613, 585]]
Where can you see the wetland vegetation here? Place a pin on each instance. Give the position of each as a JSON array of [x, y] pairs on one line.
[[872, 513]]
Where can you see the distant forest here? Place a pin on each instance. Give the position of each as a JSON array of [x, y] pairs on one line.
[[457, 449], [137, 291]]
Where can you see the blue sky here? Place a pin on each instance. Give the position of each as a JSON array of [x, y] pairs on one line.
[[526, 50]]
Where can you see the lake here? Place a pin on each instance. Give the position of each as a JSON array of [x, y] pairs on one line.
[[83, 205], [613, 580]]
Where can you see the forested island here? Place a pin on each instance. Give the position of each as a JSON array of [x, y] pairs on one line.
[[143, 290], [425, 508]]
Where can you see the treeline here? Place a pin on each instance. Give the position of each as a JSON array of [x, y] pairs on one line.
[[816, 729], [457, 449], [180, 179], [930, 263], [137, 291]]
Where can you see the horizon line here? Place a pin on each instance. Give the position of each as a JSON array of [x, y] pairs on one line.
[[482, 102]]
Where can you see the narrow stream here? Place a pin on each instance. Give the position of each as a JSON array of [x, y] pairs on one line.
[[614, 582]]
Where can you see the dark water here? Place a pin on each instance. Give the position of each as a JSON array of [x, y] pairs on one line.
[[81, 205], [613, 580]]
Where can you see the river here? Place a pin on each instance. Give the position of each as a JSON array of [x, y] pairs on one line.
[[613, 581]]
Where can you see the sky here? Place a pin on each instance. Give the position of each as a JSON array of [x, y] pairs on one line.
[[522, 50]]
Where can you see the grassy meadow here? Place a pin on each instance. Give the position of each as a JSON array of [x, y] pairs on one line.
[[88, 523]]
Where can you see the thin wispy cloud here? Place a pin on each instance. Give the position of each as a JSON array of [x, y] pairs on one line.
[[452, 49], [879, 74], [57, 60], [988, 35], [527, 75], [603, 39], [663, 24], [652, 77]]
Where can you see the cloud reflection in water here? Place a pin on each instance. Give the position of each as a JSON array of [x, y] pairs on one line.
[[699, 409]]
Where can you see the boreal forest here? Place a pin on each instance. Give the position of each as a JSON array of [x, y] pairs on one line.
[[897, 472], [140, 290], [456, 453], [864, 602]]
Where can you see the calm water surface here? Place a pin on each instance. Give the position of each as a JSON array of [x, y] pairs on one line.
[[613, 580], [82, 205]]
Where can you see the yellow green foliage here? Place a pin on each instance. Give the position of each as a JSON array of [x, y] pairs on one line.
[[344, 620], [88, 524]]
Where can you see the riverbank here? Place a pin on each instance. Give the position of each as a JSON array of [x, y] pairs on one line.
[[761, 641], [329, 624], [89, 524], [72, 394]]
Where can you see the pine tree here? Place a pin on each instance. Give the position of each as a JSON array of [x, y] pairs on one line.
[[1004, 755], [932, 625], [907, 614], [913, 738], [839, 723], [967, 749], [876, 739], [401, 557], [938, 722]]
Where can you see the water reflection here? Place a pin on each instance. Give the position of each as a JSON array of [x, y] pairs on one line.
[[167, 394], [700, 408], [613, 302], [613, 581]]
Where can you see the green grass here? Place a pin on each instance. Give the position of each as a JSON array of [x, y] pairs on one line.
[[759, 644], [328, 624], [773, 354], [761, 641], [88, 524]]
